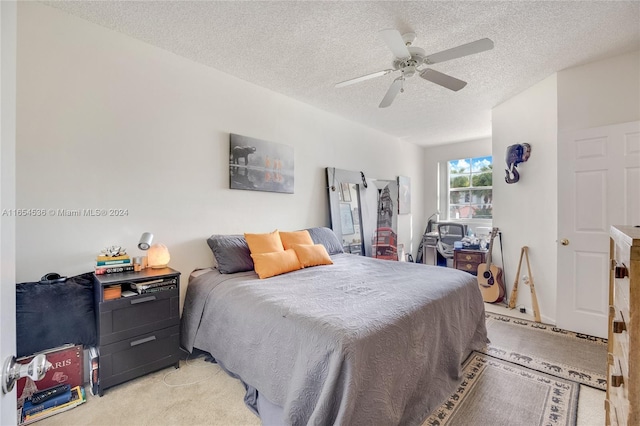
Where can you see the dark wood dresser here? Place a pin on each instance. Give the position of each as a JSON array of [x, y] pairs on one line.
[[468, 260]]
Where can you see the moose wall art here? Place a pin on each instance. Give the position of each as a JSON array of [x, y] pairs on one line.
[[259, 165]]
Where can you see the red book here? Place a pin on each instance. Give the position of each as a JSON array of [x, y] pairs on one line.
[[67, 367]]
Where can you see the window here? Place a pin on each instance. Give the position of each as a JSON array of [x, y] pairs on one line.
[[470, 188]]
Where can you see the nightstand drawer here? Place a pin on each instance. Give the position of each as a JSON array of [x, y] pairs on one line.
[[470, 257], [468, 260], [131, 316], [468, 267], [130, 358]]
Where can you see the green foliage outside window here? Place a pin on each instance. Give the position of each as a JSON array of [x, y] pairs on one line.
[[470, 188]]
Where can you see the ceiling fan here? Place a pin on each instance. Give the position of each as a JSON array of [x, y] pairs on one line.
[[409, 59]]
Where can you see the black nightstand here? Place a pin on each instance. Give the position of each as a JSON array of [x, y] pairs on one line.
[[141, 333]]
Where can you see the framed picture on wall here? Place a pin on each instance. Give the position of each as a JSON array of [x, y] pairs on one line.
[[346, 219], [260, 165]]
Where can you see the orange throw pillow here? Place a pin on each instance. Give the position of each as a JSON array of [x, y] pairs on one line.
[[296, 237], [312, 255], [264, 243], [275, 263]]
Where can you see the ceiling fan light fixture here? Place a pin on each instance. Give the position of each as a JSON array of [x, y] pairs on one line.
[[409, 71], [409, 38], [408, 59]]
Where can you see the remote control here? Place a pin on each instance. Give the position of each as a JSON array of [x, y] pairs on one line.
[[42, 396]]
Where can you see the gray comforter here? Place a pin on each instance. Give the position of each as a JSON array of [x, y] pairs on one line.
[[359, 342]]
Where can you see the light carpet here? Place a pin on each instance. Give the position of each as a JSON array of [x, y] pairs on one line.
[[200, 393], [500, 393], [549, 349]]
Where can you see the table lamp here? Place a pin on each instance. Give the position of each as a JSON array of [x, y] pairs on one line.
[[145, 241], [158, 256]]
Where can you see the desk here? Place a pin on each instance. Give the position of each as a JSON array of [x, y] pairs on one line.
[[468, 260]]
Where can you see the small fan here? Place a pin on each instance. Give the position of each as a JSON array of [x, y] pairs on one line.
[[409, 59]]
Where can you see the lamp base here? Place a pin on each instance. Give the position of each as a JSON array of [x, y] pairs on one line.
[[158, 266]]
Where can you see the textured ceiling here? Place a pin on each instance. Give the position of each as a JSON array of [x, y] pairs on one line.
[[301, 49]]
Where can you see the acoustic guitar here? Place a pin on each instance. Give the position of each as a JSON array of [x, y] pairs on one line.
[[490, 277]]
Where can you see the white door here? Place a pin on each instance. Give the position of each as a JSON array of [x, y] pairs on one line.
[[598, 186], [7, 199]]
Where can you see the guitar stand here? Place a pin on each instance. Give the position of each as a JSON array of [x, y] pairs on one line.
[[514, 293]]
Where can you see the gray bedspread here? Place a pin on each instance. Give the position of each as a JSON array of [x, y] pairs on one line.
[[359, 342]]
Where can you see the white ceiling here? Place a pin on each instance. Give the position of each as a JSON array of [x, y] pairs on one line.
[[301, 49]]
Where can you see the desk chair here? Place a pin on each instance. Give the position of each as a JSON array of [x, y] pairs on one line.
[[449, 233]]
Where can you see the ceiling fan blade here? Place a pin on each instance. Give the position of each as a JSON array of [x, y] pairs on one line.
[[393, 91], [443, 80], [394, 41], [460, 51], [363, 78]]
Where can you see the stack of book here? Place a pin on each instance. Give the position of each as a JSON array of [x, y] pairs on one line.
[[154, 286], [51, 401], [113, 264]]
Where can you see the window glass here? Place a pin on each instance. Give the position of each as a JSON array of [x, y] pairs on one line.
[[470, 188]]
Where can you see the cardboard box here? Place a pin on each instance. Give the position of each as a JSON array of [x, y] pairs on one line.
[[67, 366], [112, 292]]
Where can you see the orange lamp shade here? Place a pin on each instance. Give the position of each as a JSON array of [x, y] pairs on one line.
[[158, 256]]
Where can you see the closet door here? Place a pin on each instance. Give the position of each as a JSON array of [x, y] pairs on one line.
[[598, 186]]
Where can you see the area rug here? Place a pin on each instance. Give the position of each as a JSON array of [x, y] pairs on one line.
[[498, 392], [548, 349]]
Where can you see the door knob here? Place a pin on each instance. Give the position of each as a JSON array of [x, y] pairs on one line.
[[564, 242]]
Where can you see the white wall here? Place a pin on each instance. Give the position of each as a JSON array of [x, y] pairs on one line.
[[591, 95], [600, 93], [525, 211], [106, 121]]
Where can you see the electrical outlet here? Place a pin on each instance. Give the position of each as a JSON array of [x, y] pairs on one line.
[[523, 310]]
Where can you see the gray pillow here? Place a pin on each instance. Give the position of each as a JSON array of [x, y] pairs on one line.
[[327, 238], [231, 253]]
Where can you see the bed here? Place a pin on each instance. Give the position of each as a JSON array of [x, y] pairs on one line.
[[359, 342]]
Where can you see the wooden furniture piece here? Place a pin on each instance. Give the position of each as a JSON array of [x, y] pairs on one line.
[[529, 281], [140, 333], [622, 402], [468, 260]]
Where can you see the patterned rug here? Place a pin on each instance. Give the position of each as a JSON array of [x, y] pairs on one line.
[[548, 349], [500, 393]]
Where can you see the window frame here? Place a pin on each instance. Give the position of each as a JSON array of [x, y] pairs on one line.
[[470, 173]]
